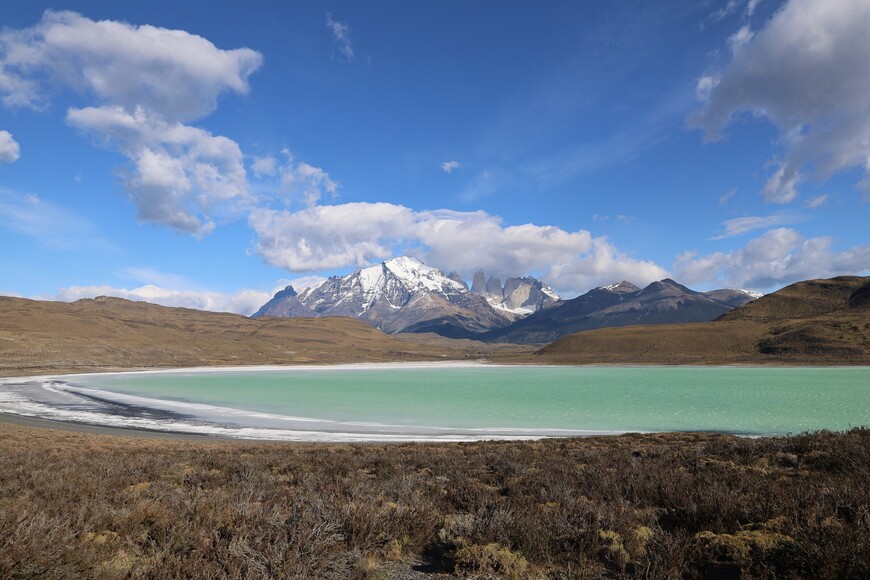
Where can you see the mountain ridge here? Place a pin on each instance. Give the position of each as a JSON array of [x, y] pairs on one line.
[[616, 305]]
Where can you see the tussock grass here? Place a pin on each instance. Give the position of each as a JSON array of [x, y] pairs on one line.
[[657, 506]]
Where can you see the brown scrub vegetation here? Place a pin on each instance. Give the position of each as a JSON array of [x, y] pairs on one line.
[[652, 506]]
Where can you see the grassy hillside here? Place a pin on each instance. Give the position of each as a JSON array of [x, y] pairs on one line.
[[812, 322], [106, 333]]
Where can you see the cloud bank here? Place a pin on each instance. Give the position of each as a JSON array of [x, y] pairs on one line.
[[356, 234], [777, 257], [808, 72], [244, 302]]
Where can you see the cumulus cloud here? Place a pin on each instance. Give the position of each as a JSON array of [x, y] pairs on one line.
[[341, 34], [357, 234], [450, 166], [776, 258], [10, 151], [746, 224], [146, 84], [178, 74], [244, 302], [181, 176], [807, 71]]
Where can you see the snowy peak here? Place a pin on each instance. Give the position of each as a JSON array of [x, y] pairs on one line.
[[404, 293], [518, 296], [621, 287], [751, 293], [416, 275]]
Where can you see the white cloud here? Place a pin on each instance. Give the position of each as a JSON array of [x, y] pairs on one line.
[[341, 34], [450, 166], [727, 196], [10, 151], [746, 224], [299, 179], [147, 83], [49, 224], [807, 72], [170, 72], [817, 202], [751, 6], [777, 257], [264, 166], [740, 38], [153, 276], [357, 234], [730, 8], [244, 302], [182, 176]]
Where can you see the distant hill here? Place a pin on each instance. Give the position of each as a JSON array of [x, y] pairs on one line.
[[623, 304], [811, 322], [105, 333]]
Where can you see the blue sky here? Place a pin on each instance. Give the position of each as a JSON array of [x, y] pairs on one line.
[[206, 153]]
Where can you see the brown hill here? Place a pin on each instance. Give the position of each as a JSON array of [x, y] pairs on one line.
[[811, 322], [105, 333]]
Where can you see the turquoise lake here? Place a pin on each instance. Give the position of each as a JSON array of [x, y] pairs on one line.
[[752, 401]]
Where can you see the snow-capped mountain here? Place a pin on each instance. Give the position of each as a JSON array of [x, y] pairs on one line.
[[518, 296], [733, 297], [399, 295]]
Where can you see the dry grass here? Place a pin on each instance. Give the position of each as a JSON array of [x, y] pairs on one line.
[[91, 335], [656, 506]]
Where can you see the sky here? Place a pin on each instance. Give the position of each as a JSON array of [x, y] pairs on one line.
[[205, 154]]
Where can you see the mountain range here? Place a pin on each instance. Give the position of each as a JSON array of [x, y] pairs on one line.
[[403, 295], [812, 322], [809, 322], [622, 304]]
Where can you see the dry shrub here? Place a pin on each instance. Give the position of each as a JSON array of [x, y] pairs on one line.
[[491, 559], [657, 506]]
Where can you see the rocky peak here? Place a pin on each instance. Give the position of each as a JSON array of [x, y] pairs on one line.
[[518, 296], [623, 287]]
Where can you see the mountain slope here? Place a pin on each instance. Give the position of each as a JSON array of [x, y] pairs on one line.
[[811, 322], [623, 304], [284, 304]]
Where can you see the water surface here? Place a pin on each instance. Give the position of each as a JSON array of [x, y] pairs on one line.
[[469, 401]]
